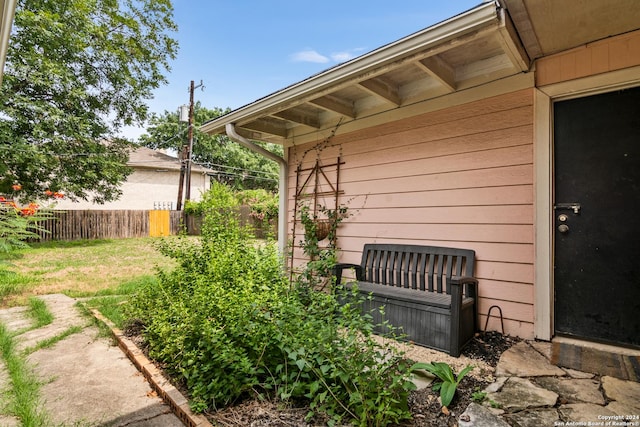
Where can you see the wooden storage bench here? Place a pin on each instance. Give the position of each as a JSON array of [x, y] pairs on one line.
[[427, 291]]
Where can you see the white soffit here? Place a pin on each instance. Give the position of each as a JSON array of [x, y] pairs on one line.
[[550, 26], [468, 50]]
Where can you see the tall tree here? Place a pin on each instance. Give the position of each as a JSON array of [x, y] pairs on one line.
[[78, 71], [234, 165]]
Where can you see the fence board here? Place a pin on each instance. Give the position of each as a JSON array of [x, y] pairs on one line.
[[102, 224], [116, 224]]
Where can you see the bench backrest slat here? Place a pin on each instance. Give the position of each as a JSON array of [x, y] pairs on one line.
[[426, 268]]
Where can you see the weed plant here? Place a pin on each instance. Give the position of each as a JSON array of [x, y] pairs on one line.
[[228, 323]]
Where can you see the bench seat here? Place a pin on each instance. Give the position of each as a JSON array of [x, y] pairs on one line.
[[419, 290]]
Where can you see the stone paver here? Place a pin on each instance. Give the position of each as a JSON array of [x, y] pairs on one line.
[[574, 390], [624, 392], [480, 416], [533, 392], [584, 412], [578, 374], [534, 418], [519, 394], [523, 361]]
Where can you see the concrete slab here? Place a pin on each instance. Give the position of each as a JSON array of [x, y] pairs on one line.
[[5, 419], [89, 380], [65, 316], [15, 319], [85, 379], [523, 361]]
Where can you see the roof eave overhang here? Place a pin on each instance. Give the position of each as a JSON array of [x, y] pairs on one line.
[[7, 12], [484, 16]]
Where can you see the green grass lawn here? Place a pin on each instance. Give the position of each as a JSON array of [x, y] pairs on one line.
[[79, 268]]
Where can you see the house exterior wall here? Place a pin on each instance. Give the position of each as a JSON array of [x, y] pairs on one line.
[[459, 177], [611, 54], [146, 189], [601, 66]]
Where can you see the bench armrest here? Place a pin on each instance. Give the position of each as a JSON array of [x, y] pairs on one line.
[[338, 268], [469, 285]]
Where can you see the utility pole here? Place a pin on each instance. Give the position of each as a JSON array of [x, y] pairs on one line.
[[185, 157]]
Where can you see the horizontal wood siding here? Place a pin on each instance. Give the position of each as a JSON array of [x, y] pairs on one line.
[[458, 177]]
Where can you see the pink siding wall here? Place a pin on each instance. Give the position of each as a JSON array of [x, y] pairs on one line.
[[459, 177]]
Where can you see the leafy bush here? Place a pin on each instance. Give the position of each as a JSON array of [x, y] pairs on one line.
[[264, 205], [229, 324]]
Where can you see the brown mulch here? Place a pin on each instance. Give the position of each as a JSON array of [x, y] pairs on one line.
[[424, 404]]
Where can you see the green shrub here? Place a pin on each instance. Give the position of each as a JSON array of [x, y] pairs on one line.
[[228, 323]]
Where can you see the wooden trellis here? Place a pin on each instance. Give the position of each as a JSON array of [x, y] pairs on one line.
[[313, 183]]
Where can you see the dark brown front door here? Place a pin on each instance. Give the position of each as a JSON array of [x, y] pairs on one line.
[[597, 217]]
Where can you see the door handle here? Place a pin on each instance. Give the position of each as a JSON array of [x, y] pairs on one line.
[[575, 207]]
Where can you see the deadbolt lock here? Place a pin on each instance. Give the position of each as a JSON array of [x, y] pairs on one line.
[[562, 218], [563, 228]]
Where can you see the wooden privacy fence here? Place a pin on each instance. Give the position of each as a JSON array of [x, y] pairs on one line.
[[110, 224], [116, 224]]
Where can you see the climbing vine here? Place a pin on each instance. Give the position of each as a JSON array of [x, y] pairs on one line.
[[319, 227]]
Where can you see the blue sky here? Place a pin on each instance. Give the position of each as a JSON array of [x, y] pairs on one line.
[[243, 50]]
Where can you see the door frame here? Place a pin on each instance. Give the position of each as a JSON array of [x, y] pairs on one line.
[[544, 96]]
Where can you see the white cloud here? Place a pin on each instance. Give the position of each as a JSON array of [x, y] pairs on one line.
[[342, 56], [309, 55]]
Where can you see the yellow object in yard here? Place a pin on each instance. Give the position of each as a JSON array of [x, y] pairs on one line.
[[159, 223]]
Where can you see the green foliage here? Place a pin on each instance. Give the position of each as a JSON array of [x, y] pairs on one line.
[[11, 282], [263, 203], [322, 258], [229, 324], [24, 395], [478, 396], [15, 228], [77, 71], [39, 312], [448, 382], [234, 164]]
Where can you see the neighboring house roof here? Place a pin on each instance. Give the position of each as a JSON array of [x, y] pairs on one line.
[[143, 157], [490, 42]]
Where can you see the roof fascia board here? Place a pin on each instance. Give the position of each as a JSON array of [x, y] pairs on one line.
[[475, 19], [7, 11]]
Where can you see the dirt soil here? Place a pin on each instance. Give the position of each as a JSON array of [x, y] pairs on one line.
[[483, 351]]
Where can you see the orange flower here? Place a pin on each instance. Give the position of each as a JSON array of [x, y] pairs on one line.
[[48, 193], [58, 195], [16, 187]]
